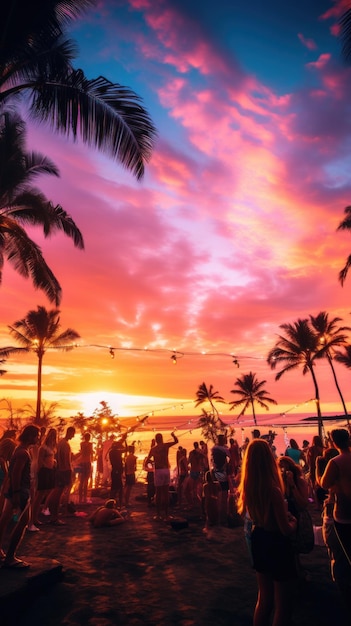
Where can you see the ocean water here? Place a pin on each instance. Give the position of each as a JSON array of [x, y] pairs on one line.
[[284, 427]]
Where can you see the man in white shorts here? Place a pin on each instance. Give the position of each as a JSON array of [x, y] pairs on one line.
[[159, 453]]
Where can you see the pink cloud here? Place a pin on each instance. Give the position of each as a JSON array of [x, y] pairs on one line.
[[321, 62], [231, 233], [310, 44]]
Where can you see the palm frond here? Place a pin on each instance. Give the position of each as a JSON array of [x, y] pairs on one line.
[[27, 259], [32, 207], [345, 35], [343, 273], [106, 115]]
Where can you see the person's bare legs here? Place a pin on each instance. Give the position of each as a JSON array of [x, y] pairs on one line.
[[158, 499], [16, 537], [4, 522], [282, 603], [127, 492], [165, 499], [265, 600], [39, 497], [83, 488], [53, 502]]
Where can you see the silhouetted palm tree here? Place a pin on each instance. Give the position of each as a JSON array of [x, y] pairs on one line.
[[299, 348], [344, 357], [250, 391], [345, 224], [48, 415], [207, 394], [38, 332], [212, 425], [330, 336], [21, 204], [210, 422], [36, 70]]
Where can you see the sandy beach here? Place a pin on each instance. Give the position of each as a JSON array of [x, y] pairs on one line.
[[146, 572]]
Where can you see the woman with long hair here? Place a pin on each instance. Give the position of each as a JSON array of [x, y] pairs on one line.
[[296, 495], [295, 485], [261, 497], [314, 451], [293, 451], [46, 475]]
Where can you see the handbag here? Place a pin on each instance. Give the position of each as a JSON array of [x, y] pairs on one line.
[[304, 538]]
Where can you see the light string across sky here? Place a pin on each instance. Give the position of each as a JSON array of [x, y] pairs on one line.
[[175, 354]]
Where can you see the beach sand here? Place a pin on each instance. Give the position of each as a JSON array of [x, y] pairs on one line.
[[145, 572]]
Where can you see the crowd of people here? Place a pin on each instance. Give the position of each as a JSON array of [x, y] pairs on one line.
[[38, 473], [267, 492]]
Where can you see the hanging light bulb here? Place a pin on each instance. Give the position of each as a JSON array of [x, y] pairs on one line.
[[174, 359], [112, 353], [236, 362]]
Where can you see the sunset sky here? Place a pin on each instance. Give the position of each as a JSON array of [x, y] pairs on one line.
[[232, 231]]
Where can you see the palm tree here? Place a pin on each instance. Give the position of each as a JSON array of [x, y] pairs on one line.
[[212, 425], [344, 357], [207, 394], [14, 422], [345, 224], [250, 391], [48, 415], [36, 69], [38, 332], [299, 348], [330, 336], [22, 204], [210, 422]]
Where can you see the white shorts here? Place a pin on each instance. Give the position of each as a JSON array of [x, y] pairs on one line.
[[162, 477]]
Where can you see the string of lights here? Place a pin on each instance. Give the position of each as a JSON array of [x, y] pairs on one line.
[[192, 422], [175, 354], [296, 406]]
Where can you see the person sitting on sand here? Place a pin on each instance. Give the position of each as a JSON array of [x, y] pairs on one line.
[[107, 515]]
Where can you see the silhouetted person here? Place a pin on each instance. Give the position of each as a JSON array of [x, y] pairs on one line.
[[17, 498]]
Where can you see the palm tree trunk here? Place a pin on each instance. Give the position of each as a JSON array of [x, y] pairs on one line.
[[214, 409], [338, 388], [38, 408], [319, 413], [253, 412]]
